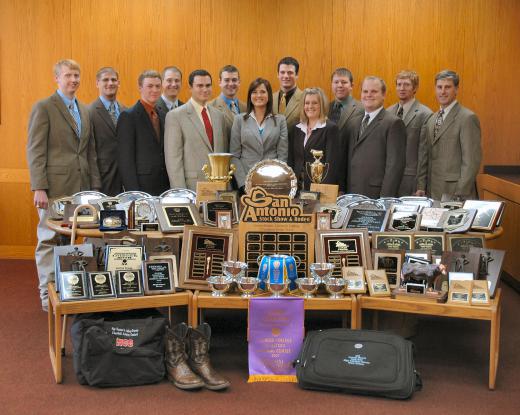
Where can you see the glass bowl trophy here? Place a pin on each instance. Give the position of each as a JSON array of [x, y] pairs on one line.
[[317, 171]]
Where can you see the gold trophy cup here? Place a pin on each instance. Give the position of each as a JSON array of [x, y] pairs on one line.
[[219, 169], [316, 170]]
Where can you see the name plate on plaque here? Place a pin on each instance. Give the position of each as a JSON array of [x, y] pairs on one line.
[[123, 257], [158, 277], [129, 283], [101, 285], [73, 286], [372, 219], [174, 216]]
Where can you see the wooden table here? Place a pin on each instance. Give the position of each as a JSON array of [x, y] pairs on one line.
[[58, 309], [203, 300], [490, 312]]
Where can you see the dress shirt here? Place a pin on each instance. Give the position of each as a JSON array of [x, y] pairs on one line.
[[199, 108], [67, 101], [228, 102], [170, 104], [288, 96], [303, 126], [447, 110], [372, 115], [406, 107], [106, 104], [260, 126]]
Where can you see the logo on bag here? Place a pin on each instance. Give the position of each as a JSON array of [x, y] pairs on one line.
[[124, 342], [356, 360], [358, 346]]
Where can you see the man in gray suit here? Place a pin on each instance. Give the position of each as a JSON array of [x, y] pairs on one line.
[[227, 102], [171, 86], [376, 147], [192, 132], [104, 113], [414, 115], [344, 108], [288, 100], [61, 154], [450, 151]]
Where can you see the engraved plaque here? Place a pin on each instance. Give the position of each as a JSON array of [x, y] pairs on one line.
[[274, 176]]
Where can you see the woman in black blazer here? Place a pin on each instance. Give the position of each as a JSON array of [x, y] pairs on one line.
[[315, 132]]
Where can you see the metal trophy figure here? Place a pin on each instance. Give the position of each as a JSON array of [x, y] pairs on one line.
[[220, 169], [316, 170]]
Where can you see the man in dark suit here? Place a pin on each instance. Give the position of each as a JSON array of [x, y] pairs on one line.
[[104, 113], [171, 86], [140, 132], [61, 154], [376, 147], [288, 100], [450, 151], [344, 108], [414, 115]]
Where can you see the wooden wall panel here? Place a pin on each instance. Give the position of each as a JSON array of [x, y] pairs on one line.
[[477, 38]]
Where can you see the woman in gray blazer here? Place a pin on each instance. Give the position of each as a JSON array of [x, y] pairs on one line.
[[257, 134]]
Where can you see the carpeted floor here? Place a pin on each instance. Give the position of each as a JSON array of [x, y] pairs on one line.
[[452, 356]]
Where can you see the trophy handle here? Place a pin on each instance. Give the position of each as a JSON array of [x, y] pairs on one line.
[[232, 169], [205, 170]]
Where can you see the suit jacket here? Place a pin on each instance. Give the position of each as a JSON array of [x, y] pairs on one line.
[[352, 109], [376, 159], [162, 105], [105, 136], [141, 154], [229, 115], [326, 139], [449, 163], [414, 119], [249, 147], [186, 144], [292, 111], [59, 161]]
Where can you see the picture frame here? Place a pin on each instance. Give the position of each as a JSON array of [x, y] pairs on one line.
[[338, 215], [402, 241], [73, 286], [129, 283], [175, 267], [211, 208], [323, 221], [174, 216], [224, 219], [354, 280], [488, 213], [458, 220], [402, 221], [203, 252], [101, 285], [460, 292], [377, 283], [123, 257], [480, 293], [158, 276], [463, 242], [375, 220], [391, 261], [431, 217]]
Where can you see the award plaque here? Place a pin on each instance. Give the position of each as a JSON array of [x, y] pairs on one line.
[[460, 292], [123, 257], [57, 207], [404, 221], [343, 249], [337, 215], [112, 220], [488, 213], [377, 282], [101, 285], [429, 241], [431, 218], [465, 262], [210, 209], [355, 280], [274, 176], [480, 293], [143, 212], [174, 260], [174, 216], [161, 246], [129, 283], [158, 277], [372, 219], [463, 242], [391, 261], [458, 220], [105, 203], [73, 285], [323, 221], [490, 266], [386, 240], [224, 219], [204, 251]]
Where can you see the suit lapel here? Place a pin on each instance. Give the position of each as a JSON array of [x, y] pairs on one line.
[[197, 124], [222, 106], [293, 103], [145, 119], [412, 112], [65, 112], [345, 115], [370, 127], [253, 127], [105, 116], [447, 122]]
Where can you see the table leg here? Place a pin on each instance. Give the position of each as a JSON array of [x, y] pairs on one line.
[[494, 346], [353, 312], [63, 335], [57, 345], [193, 310]]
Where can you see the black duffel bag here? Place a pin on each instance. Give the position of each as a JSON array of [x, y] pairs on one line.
[[358, 361], [119, 349]]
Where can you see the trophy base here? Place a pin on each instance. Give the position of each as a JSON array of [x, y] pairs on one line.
[[207, 191], [328, 192]]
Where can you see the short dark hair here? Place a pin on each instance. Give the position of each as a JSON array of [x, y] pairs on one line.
[[171, 68], [106, 69], [342, 72], [228, 68], [149, 73], [289, 60], [447, 74], [252, 86], [198, 72]]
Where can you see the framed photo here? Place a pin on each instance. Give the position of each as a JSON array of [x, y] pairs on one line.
[[480, 293], [323, 221], [458, 220], [488, 213], [73, 286], [466, 262], [203, 252], [101, 285], [377, 282], [460, 292], [391, 261], [129, 283], [355, 279], [404, 221], [224, 219], [418, 257], [401, 241], [429, 241], [175, 260], [374, 220], [431, 217], [463, 242], [343, 248], [123, 257], [211, 208], [174, 216], [158, 276]]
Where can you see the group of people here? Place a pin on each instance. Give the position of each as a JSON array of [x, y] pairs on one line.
[[161, 143]]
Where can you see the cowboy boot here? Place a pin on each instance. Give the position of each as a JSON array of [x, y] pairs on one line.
[[179, 373], [199, 358]]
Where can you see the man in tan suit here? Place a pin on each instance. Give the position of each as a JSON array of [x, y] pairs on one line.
[[288, 100], [414, 115], [227, 102], [171, 87], [450, 151], [192, 132], [61, 154]]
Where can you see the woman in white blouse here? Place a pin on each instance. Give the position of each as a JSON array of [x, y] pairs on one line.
[[257, 134]]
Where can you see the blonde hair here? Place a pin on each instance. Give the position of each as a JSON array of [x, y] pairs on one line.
[[324, 104], [411, 75], [69, 63]]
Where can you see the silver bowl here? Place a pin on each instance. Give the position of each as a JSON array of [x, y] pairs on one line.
[[277, 288], [308, 286], [247, 286], [335, 287], [219, 285]]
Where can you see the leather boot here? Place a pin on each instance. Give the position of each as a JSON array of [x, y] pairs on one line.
[[199, 358], [179, 373]]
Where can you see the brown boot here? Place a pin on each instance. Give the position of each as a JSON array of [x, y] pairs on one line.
[[179, 373], [199, 358]]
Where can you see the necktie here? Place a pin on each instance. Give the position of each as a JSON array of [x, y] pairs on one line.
[[234, 107], [335, 114], [76, 118], [283, 104], [155, 123], [400, 111], [364, 125], [112, 113], [207, 126], [438, 123]]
